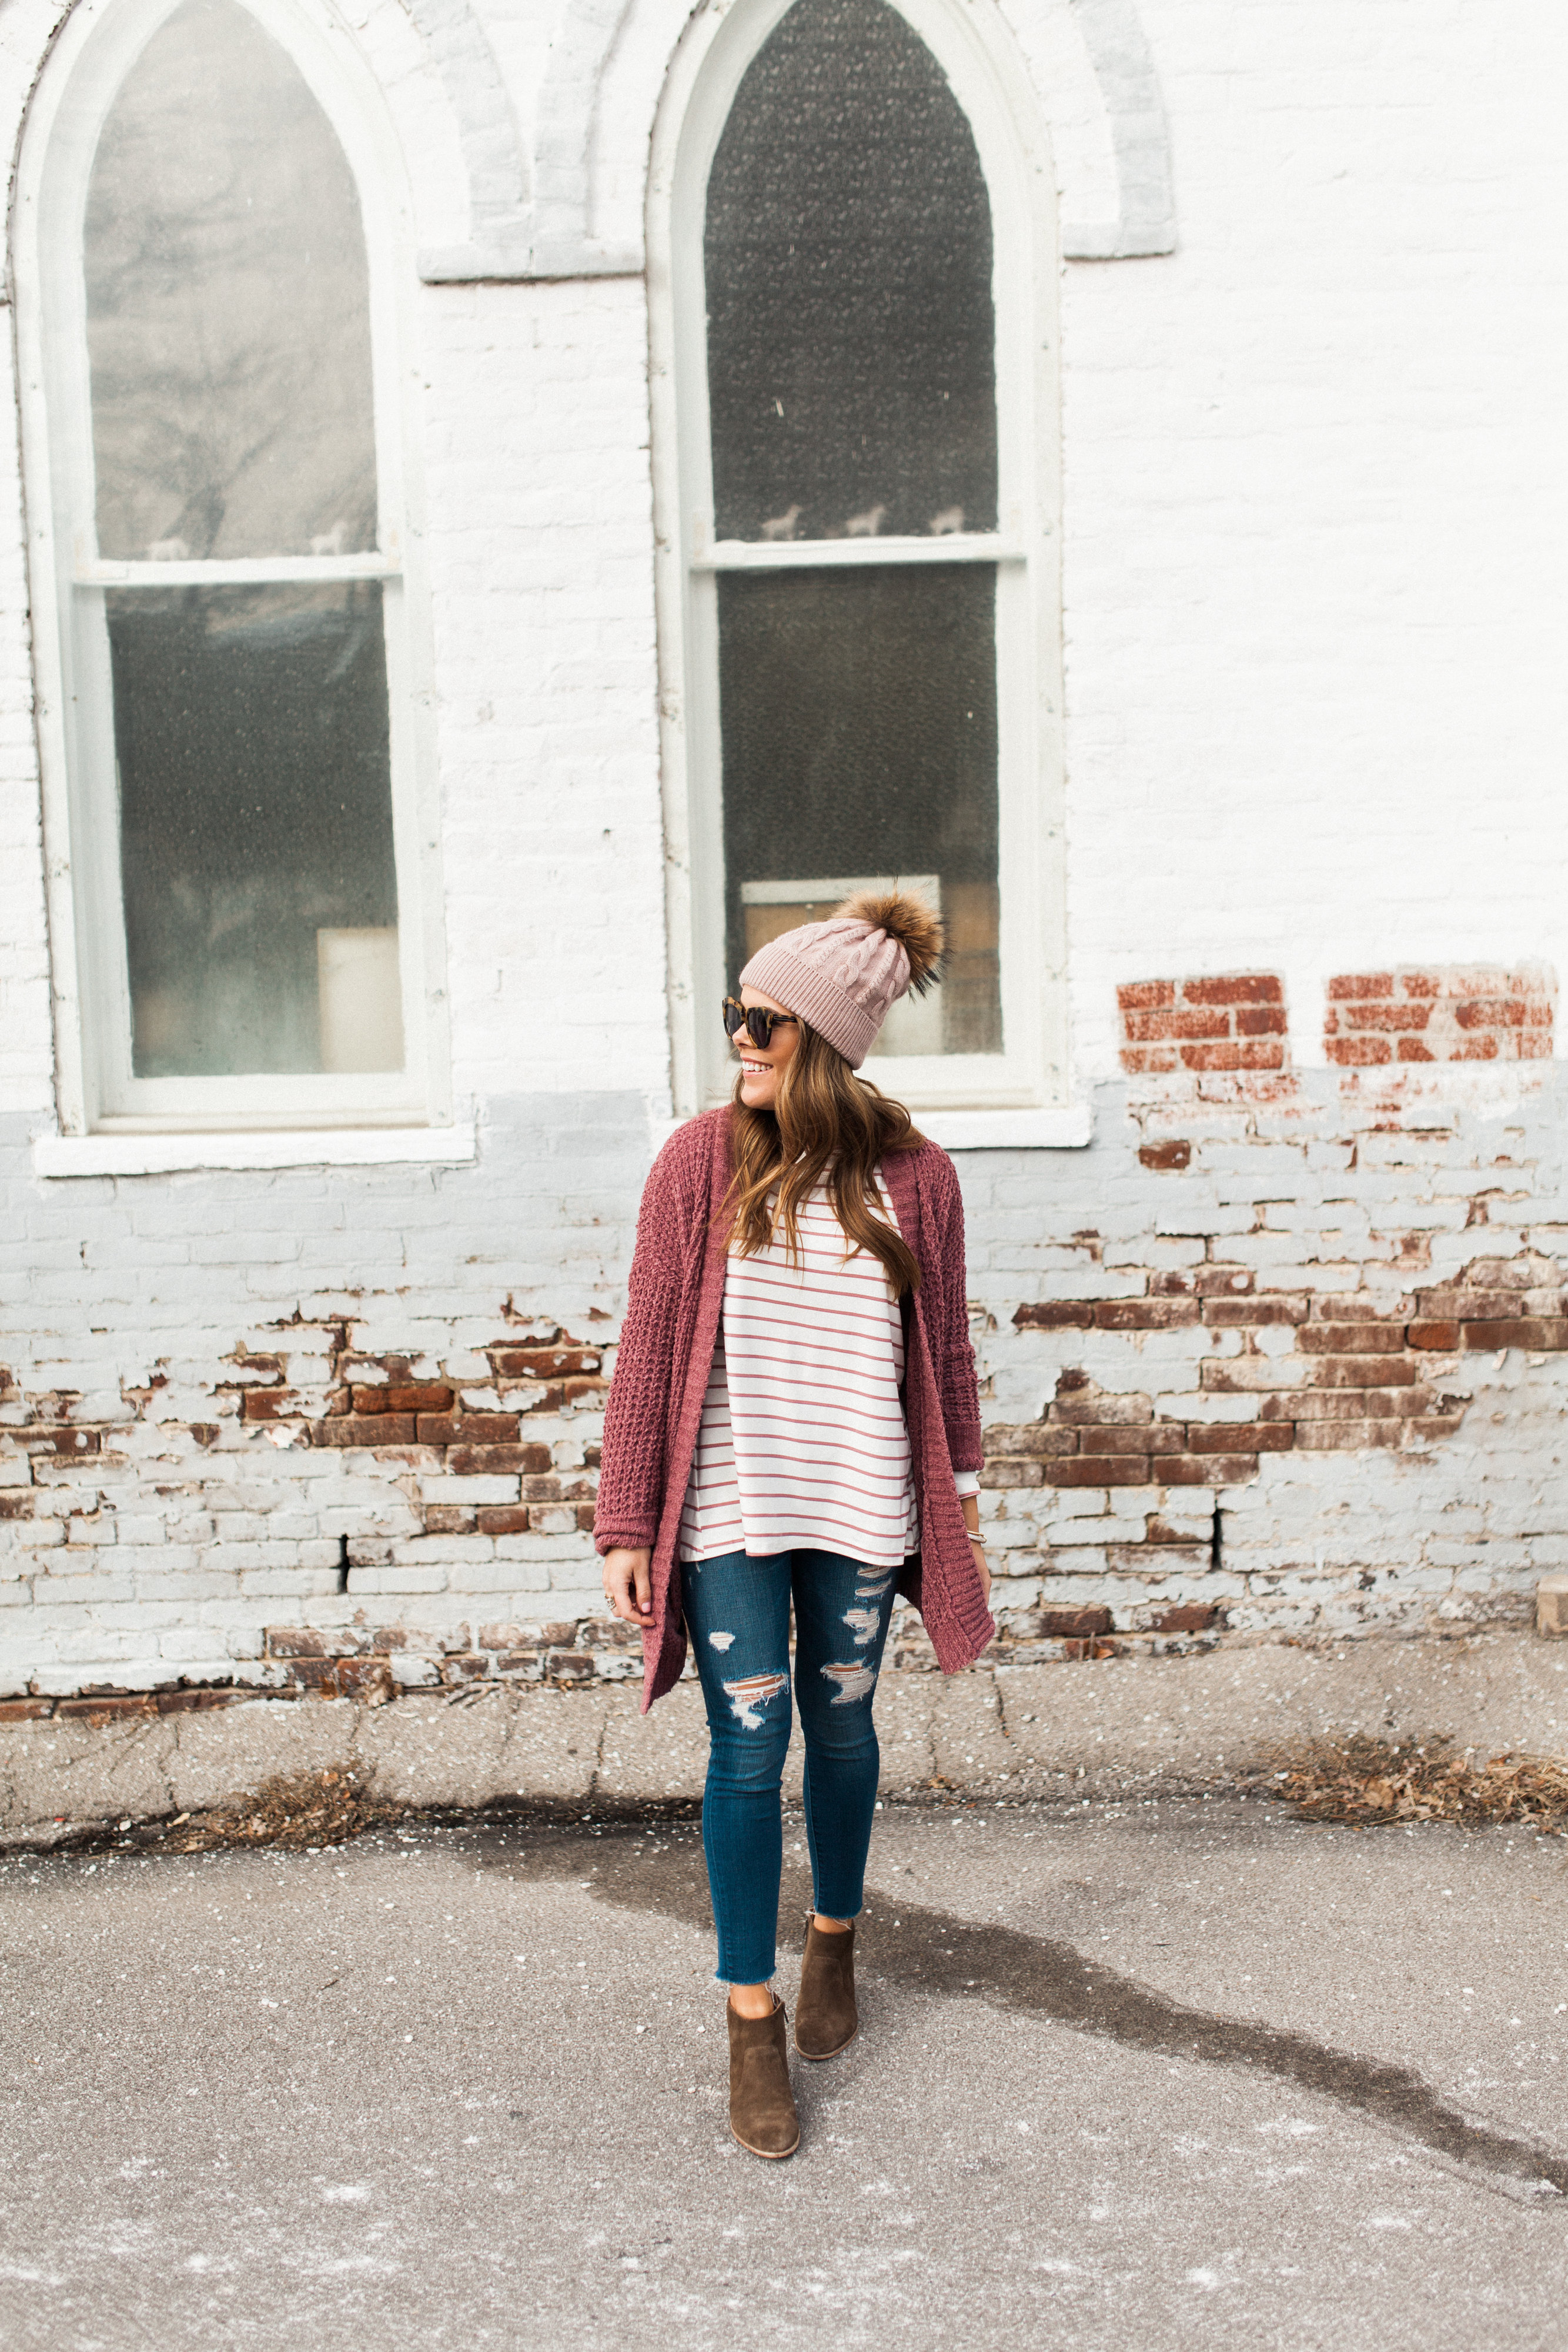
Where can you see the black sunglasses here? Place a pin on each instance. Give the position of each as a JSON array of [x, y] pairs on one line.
[[759, 1021]]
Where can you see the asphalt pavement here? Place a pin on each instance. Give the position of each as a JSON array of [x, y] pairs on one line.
[[1178, 2074]]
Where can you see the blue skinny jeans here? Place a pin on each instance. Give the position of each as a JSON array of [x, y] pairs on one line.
[[737, 1615]]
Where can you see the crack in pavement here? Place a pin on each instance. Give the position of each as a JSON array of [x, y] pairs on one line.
[[937, 1952]]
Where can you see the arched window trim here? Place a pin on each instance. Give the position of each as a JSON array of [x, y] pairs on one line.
[[95, 1089], [988, 80]]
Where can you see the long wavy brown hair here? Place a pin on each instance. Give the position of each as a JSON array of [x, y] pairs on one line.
[[825, 1121]]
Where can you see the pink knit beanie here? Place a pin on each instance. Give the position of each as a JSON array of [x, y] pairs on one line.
[[844, 976]]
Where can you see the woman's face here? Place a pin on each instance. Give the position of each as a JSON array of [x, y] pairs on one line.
[[762, 1065]]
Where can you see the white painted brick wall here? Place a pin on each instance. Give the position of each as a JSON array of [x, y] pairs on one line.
[[1314, 612]]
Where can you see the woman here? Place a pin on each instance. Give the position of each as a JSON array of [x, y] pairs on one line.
[[794, 1416]]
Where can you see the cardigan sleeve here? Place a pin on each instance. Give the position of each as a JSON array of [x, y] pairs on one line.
[[952, 1348], [631, 1475]]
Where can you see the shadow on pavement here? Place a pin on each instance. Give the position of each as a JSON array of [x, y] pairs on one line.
[[649, 1869]]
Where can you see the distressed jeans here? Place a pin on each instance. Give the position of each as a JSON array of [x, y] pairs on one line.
[[737, 1615]]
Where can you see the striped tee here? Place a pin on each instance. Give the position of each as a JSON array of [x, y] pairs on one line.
[[802, 1444]]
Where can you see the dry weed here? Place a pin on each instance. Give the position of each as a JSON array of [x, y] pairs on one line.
[[1368, 1782], [299, 1809]]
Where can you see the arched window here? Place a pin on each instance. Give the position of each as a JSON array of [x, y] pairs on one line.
[[848, 253], [214, 451]]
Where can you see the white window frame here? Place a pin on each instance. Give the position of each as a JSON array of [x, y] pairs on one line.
[[988, 80], [97, 1092]]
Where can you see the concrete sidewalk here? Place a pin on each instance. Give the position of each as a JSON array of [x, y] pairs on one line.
[[1166, 2075], [1094, 1727]]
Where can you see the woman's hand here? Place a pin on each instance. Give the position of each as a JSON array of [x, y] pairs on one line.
[[628, 1587], [971, 1509]]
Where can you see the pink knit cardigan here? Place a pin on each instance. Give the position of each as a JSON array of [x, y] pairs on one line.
[[662, 1373]]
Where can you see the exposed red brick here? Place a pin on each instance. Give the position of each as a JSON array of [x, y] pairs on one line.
[[586, 1391], [1102, 1470], [447, 1520], [365, 1429], [1431, 1334], [271, 1404], [1148, 1060], [1448, 1014], [1164, 1438], [26, 1710], [585, 1517], [1259, 1020], [502, 1519], [1358, 1053], [1152, 1028], [1207, 1469], [1055, 1315], [1470, 1303], [1174, 1154], [1347, 987], [1534, 1331], [1392, 1019], [1345, 1404], [1349, 1338], [466, 1428], [429, 1396], [16, 1503], [1074, 1624], [1239, 1436], [1079, 1411], [543, 1363], [1011, 1471], [1348, 1436], [61, 1439], [115, 1707], [557, 1487], [1239, 988], [1243, 1056], [1224, 1281], [199, 1702], [1489, 1013], [293, 1642], [1187, 1617], [496, 1461], [1143, 996], [1145, 1314], [1031, 1437], [1359, 1372], [1238, 1314]]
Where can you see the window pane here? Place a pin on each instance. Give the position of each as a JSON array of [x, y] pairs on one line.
[[859, 714], [228, 311], [250, 731], [850, 333]]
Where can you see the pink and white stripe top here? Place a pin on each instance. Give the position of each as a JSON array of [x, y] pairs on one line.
[[802, 1444]]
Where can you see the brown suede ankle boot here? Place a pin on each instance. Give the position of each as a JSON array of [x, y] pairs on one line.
[[761, 2104], [826, 2018]]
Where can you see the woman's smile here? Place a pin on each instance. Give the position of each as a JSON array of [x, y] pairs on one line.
[[761, 1066]]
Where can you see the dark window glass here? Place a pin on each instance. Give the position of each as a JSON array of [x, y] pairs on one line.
[[859, 717], [848, 258], [227, 306], [250, 731]]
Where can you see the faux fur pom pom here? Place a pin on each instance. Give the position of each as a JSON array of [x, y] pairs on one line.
[[916, 927]]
